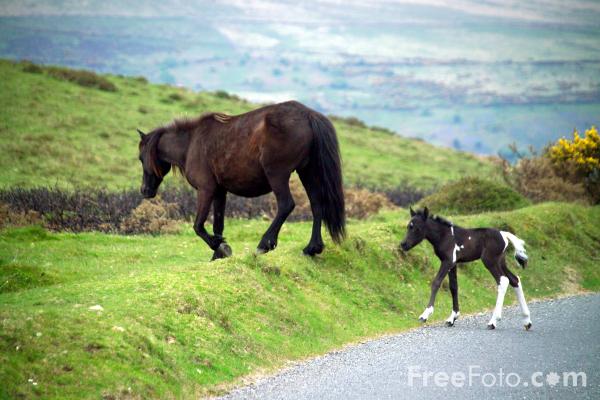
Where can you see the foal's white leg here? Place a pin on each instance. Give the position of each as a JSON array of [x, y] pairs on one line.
[[452, 318], [523, 304], [428, 311], [499, 302]]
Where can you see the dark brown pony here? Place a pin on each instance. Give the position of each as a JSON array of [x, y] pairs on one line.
[[250, 155]]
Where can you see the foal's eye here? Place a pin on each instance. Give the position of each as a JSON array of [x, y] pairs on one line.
[[410, 226]]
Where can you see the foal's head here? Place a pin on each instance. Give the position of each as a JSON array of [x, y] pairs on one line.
[[153, 168], [416, 229]]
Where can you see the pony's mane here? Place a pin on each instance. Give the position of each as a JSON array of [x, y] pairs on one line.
[[187, 124], [178, 125]]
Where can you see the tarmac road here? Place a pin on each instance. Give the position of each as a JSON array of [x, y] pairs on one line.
[[508, 362]]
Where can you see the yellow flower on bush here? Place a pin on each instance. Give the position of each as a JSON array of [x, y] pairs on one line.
[[584, 152]]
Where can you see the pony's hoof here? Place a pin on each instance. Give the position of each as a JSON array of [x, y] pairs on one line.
[[311, 250], [491, 326], [449, 323], [260, 251], [422, 320], [223, 251], [528, 326]]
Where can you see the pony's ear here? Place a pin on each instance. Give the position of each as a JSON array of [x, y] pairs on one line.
[[425, 213], [412, 212], [142, 134]]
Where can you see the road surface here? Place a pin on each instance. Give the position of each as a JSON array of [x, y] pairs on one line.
[[465, 361]]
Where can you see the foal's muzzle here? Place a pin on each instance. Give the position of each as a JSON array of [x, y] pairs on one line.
[[404, 246]]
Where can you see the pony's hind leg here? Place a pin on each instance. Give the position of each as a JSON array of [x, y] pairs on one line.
[[524, 308], [219, 202], [285, 205], [492, 264], [453, 279], [308, 178], [515, 282]]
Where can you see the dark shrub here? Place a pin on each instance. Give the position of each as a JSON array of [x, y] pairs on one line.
[[82, 78], [124, 212], [28, 66], [537, 178], [473, 195], [404, 195]]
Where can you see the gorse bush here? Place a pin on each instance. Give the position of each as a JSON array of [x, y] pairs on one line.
[[578, 160], [473, 195], [568, 170], [536, 178], [582, 154]]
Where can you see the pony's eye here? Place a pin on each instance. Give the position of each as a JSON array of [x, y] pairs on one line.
[[410, 226]]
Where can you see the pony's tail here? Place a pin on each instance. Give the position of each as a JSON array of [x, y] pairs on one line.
[[518, 244], [325, 154]]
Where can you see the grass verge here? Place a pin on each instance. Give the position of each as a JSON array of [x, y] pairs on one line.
[[174, 326]]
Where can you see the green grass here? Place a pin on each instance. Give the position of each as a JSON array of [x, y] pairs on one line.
[[176, 326], [54, 131]]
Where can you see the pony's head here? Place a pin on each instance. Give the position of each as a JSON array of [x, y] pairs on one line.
[[416, 229], [153, 168]]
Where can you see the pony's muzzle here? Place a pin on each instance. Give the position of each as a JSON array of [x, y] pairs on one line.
[[147, 192], [404, 246]]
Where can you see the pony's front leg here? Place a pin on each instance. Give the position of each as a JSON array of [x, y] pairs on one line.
[[453, 279], [435, 286], [205, 198]]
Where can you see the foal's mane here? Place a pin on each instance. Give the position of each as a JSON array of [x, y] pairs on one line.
[[177, 125], [442, 220]]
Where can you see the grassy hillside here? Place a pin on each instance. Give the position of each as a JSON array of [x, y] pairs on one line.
[[54, 131], [173, 325]]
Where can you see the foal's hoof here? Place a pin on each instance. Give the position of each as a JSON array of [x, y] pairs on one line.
[[223, 251], [260, 251], [528, 326], [422, 320], [449, 323], [491, 326]]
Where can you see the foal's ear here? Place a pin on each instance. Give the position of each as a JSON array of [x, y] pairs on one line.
[[142, 134], [425, 213], [412, 212]]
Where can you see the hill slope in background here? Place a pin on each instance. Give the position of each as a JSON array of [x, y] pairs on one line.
[[94, 315], [54, 131]]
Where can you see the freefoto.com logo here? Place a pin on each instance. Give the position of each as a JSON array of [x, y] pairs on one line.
[[475, 376]]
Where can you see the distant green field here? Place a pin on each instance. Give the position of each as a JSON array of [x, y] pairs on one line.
[[175, 326], [54, 132]]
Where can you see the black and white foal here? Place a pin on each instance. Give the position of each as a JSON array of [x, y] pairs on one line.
[[453, 244]]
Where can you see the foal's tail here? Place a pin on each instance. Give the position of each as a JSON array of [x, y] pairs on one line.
[[519, 245], [325, 154]]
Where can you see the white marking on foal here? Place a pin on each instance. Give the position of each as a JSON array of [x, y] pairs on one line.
[[523, 304], [456, 248], [453, 317], [452, 229], [428, 311], [499, 302]]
